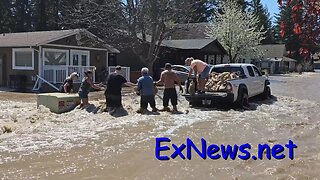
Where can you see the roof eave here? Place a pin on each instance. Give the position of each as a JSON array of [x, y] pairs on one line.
[[58, 38], [18, 46]]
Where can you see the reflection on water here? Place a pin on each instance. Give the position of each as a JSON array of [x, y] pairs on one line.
[[83, 145]]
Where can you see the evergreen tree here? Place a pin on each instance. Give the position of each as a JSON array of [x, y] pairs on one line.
[[6, 21], [286, 24], [263, 15], [22, 15], [46, 14], [203, 11], [276, 30], [54, 14], [41, 15]]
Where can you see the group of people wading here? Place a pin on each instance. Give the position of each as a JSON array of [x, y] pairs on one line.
[[145, 87]]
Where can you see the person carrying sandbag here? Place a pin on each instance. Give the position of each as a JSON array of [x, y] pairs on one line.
[[201, 69], [67, 86]]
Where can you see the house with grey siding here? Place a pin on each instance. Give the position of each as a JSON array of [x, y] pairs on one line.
[[274, 59], [52, 55]]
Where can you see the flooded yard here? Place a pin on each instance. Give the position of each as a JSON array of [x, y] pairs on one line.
[[83, 144]]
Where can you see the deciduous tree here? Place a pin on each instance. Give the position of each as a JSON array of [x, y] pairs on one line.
[[138, 24], [300, 27], [237, 31], [150, 22], [104, 18]]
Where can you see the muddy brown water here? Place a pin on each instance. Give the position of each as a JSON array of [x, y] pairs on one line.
[[84, 145]]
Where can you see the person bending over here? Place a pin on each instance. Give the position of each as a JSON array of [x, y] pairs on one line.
[[67, 86], [200, 69]]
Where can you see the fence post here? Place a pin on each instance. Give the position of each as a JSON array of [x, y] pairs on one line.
[[128, 73], [94, 74], [54, 76]]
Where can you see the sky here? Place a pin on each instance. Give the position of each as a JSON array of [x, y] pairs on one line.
[[272, 6]]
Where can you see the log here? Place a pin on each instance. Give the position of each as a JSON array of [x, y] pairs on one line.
[[218, 81]]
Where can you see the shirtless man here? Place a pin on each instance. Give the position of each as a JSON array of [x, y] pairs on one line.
[[201, 69], [169, 79]]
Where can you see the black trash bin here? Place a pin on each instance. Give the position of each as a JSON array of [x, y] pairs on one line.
[[18, 82]]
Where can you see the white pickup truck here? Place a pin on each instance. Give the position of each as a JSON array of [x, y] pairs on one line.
[[251, 82]]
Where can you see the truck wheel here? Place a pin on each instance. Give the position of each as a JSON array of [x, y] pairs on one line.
[[266, 93], [243, 99]]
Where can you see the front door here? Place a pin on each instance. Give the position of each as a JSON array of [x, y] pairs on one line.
[[80, 58], [112, 59], [277, 68], [3, 71]]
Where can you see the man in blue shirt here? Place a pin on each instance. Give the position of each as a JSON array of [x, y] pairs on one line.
[[146, 91]]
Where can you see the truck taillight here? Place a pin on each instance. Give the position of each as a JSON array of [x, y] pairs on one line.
[[229, 88]]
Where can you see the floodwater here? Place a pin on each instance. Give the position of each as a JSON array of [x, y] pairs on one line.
[[85, 144]]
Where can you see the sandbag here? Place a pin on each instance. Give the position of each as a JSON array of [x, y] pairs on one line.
[[218, 81], [193, 88]]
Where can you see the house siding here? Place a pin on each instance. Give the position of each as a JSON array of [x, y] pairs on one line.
[[6, 53], [97, 48], [97, 59], [71, 41]]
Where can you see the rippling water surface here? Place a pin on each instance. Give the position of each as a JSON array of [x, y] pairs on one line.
[[87, 145]]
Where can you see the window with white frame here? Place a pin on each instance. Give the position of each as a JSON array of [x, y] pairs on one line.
[[55, 56], [80, 58], [23, 58]]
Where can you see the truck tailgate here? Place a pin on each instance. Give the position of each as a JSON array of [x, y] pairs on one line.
[[208, 94], [210, 98]]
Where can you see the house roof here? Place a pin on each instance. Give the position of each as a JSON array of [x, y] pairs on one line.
[[189, 36], [273, 50], [190, 31], [39, 38], [284, 59], [184, 43], [287, 59], [187, 43]]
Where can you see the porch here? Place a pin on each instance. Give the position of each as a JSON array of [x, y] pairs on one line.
[[56, 74], [48, 57], [277, 65]]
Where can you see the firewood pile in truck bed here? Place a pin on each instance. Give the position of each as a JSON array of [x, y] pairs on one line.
[[218, 81]]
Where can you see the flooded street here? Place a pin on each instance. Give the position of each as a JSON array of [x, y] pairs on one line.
[[88, 145]]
